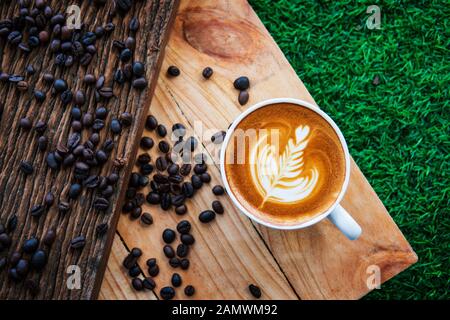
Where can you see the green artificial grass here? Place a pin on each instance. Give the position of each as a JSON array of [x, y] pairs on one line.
[[397, 131]]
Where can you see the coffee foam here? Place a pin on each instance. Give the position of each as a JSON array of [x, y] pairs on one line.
[[293, 168]]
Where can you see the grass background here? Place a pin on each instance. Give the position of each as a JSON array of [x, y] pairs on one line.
[[397, 131]]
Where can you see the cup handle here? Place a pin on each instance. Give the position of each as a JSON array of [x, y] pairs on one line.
[[344, 222]]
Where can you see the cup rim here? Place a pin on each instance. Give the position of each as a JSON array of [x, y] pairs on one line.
[[301, 103]]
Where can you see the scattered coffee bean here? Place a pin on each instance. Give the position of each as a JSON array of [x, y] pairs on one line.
[[189, 291], [168, 251], [243, 97], [75, 191], [42, 143], [200, 168], [168, 235], [11, 225], [25, 124], [207, 216], [164, 147], [78, 242], [182, 250], [218, 137], [147, 143], [184, 227], [207, 72], [218, 190], [176, 280], [149, 283], [22, 267], [134, 271], [63, 207], [187, 239], [137, 284], [49, 237], [185, 169], [184, 264], [205, 177], [173, 71], [217, 207], [161, 164], [181, 210], [30, 245], [151, 123], [146, 218], [197, 183], [37, 211], [167, 293], [39, 260], [26, 167], [116, 126], [161, 130], [153, 270], [126, 119], [151, 262], [136, 252], [242, 83], [255, 291], [5, 240]]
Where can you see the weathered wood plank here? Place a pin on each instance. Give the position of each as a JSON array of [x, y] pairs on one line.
[[319, 262], [18, 193]]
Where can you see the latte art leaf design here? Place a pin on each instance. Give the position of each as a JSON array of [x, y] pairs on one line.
[[282, 178]]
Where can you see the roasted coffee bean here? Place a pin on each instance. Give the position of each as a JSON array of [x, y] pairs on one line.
[[207, 72], [151, 262], [78, 242], [126, 119], [116, 127], [168, 236], [5, 240], [243, 97], [144, 158], [184, 227], [106, 92], [175, 188], [241, 83], [151, 123], [37, 211], [60, 85], [168, 251], [73, 140], [13, 275], [25, 124], [108, 145], [146, 143], [107, 192], [134, 271], [134, 180], [161, 163], [42, 143], [178, 130], [134, 24], [40, 127], [176, 280], [130, 261], [135, 213], [200, 168], [98, 125], [182, 250], [128, 206], [185, 169], [76, 125], [75, 191], [153, 198], [14, 258], [189, 291], [255, 291], [30, 245], [101, 204], [163, 146], [138, 69], [178, 200], [63, 207], [184, 264], [188, 189], [49, 199], [167, 293], [91, 182], [161, 130], [181, 210], [205, 177], [113, 178], [89, 79], [218, 137], [130, 43], [51, 161], [26, 167], [140, 83], [146, 169], [76, 113], [207, 216], [22, 267], [15, 78], [149, 283], [39, 260], [22, 86], [197, 183], [126, 55], [218, 190], [146, 218], [187, 239], [217, 207], [173, 71], [137, 284], [49, 237], [161, 178], [11, 225], [153, 270], [165, 201]]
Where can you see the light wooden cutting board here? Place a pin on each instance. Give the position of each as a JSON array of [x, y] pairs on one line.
[[232, 252]]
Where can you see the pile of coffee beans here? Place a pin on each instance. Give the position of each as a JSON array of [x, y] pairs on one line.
[[37, 27]]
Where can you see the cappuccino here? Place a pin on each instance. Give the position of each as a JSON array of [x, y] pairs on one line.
[[285, 164]]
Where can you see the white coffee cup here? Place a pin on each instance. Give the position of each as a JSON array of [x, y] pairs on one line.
[[336, 213]]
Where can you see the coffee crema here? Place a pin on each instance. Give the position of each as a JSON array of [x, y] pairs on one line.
[[285, 164]]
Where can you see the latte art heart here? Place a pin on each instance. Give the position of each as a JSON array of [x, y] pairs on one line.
[[282, 178]]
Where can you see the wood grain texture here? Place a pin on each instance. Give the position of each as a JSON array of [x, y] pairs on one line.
[[231, 252], [18, 193]]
